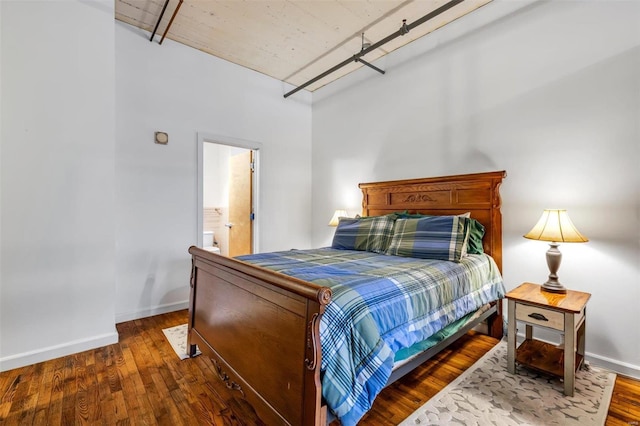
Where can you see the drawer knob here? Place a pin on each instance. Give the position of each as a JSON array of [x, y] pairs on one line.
[[538, 316]]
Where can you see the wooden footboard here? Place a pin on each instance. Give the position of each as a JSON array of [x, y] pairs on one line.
[[261, 331]]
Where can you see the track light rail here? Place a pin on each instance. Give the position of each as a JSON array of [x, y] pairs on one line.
[[404, 29], [166, 30], [159, 19]]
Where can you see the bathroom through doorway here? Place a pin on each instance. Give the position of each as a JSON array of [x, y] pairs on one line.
[[227, 195]]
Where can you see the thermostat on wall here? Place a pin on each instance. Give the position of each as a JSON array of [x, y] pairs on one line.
[[162, 138]]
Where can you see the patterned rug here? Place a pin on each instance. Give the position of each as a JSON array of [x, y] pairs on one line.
[[177, 337], [486, 394]]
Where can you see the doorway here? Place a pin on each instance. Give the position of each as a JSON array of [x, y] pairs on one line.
[[227, 195]]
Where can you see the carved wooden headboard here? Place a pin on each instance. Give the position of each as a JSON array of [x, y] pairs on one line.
[[477, 193]]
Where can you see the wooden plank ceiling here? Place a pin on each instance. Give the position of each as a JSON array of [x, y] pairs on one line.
[[290, 40]]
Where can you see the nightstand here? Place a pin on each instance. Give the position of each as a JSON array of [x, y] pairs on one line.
[[561, 312]]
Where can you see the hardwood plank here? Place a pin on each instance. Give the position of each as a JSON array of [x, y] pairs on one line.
[[46, 387], [70, 388], [140, 380], [625, 402], [9, 383], [23, 395], [93, 394], [54, 415], [120, 406], [173, 416]]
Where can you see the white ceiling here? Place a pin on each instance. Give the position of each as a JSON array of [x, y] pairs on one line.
[[290, 40]]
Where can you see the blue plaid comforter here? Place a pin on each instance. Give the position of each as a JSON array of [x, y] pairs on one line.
[[381, 304]]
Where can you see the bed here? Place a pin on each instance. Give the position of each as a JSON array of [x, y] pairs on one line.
[[261, 328]]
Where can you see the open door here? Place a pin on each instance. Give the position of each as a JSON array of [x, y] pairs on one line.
[[240, 222]]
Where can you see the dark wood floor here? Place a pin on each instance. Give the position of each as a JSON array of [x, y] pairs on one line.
[[140, 381]]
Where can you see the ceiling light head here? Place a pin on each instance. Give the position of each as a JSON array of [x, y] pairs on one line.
[[365, 44]]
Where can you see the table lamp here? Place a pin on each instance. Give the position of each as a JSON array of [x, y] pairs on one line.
[[556, 227], [336, 217]]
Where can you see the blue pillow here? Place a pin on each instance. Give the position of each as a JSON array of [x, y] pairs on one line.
[[476, 230], [372, 233], [431, 237]]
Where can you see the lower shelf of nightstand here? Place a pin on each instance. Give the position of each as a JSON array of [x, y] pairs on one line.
[[544, 357]]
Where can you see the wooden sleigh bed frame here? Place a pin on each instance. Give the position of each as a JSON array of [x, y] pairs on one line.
[[261, 328]]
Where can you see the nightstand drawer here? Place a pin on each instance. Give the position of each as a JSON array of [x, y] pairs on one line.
[[540, 316]]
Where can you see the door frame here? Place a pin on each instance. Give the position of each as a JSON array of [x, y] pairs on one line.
[[203, 138]]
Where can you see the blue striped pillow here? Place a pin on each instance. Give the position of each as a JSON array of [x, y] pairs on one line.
[[431, 237], [372, 233], [476, 230]]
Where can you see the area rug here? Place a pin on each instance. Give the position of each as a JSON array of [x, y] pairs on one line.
[[486, 394], [177, 337]]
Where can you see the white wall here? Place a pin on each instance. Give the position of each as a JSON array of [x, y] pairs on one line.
[[549, 92], [183, 91], [216, 174], [57, 269], [96, 219]]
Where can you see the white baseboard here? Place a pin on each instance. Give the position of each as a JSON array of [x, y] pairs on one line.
[[622, 368], [51, 352], [149, 312], [610, 364], [75, 346]]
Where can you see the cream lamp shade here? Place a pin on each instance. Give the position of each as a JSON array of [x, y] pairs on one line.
[[336, 217], [555, 226]]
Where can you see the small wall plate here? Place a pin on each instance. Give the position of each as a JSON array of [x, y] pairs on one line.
[[162, 138]]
